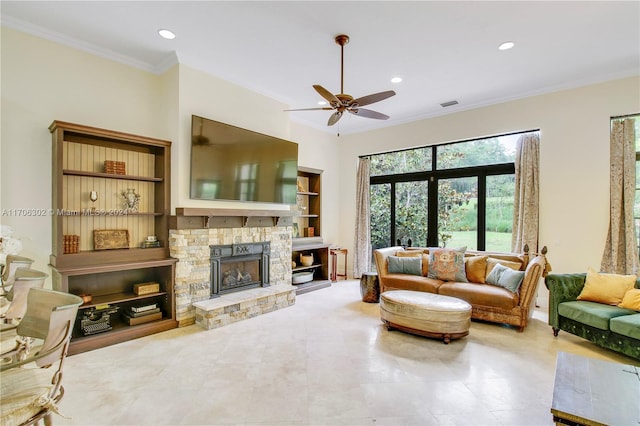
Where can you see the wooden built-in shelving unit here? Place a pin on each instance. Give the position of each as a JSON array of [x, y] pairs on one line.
[[78, 167]]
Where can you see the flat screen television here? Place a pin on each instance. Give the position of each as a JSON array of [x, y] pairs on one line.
[[231, 163]]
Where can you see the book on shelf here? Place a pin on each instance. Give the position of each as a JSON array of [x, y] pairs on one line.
[[143, 319], [144, 307], [143, 313]]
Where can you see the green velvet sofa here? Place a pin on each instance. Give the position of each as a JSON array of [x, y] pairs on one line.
[[608, 326]]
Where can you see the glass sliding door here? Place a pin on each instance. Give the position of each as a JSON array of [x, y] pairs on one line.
[[411, 211], [499, 212], [458, 212], [380, 211]]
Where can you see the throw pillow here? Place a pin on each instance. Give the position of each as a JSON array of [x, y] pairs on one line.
[[446, 265], [416, 253], [505, 277], [405, 265], [631, 300], [606, 288], [492, 262], [476, 267]]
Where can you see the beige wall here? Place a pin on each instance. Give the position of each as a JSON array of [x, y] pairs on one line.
[[44, 81], [574, 160]]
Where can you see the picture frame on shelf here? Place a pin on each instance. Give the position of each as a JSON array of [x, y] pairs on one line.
[[295, 231]]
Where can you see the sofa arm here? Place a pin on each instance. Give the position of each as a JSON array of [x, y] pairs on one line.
[[380, 255], [562, 288]]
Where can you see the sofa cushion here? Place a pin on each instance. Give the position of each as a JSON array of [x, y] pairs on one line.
[[631, 300], [417, 253], [506, 278], [476, 268], [405, 265], [593, 314], [480, 294], [410, 282], [627, 325], [446, 265], [492, 262], [606, 288]]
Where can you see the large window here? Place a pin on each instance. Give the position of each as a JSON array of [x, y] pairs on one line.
[[450, 195]]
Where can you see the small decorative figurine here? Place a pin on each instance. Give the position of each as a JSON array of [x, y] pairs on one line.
[[131, 199]]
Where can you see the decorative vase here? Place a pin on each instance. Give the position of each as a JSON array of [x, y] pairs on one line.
[[131, 199], [306, 259]]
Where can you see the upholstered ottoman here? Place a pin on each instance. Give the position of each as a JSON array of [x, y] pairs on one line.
[[425, 314]]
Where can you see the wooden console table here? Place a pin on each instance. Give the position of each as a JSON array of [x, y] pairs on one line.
[[588, 391]]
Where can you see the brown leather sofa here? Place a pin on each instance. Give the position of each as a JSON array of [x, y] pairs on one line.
[[489, 302]]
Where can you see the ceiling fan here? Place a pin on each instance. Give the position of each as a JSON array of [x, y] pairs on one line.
[[342, 102]]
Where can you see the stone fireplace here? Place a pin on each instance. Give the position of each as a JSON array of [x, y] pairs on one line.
[[191, 242]]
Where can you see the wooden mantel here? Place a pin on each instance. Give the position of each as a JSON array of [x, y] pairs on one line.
[[200, 217]]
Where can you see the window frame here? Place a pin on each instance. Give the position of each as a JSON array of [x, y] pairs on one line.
[[433, 176]]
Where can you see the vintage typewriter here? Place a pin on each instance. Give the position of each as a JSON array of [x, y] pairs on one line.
[[97, 320]]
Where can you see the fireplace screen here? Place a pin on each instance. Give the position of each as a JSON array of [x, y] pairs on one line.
[[238, 267], [239, 274]]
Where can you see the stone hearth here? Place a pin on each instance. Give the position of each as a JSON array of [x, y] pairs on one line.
[[193, 284], [232, 307]]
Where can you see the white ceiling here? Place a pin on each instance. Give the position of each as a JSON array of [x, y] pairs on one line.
[[444, 50]]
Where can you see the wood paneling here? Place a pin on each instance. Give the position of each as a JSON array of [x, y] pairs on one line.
[[111, 211]]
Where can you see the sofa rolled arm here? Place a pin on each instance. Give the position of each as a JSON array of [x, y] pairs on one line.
[[380, 255], [562, 288]]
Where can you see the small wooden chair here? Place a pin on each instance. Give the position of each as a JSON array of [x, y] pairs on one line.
[[31, 386]]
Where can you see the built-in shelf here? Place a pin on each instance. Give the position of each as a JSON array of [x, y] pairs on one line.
[[208, 212], [78, 164], [119, 297], [110, 176]]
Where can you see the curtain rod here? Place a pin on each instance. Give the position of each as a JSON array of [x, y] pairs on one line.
[[450, 143], [617, 117]]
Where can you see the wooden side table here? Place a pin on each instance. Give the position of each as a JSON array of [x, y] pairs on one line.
[[334, 263]]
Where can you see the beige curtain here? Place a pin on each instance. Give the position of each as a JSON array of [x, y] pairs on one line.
[[525, 206], [362, 257], [621, 253]]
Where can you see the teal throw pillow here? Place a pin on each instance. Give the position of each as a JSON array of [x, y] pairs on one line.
[[405, 265], [505, 277]]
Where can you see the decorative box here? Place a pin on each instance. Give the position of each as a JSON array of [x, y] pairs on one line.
[[70, 244], [146, 288], [114, 167]]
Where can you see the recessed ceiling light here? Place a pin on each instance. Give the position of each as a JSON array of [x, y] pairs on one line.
[[322, 102], [506, 45], [166, 34], [396, 79]]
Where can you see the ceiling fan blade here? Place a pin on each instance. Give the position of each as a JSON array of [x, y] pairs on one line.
[[311, 109], [370, 99], [334, 118], [327, 95], [368, 113]]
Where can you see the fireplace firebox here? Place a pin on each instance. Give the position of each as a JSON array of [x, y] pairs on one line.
[[237, 267]]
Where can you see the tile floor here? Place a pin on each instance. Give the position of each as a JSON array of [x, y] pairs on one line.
[[327, 360]]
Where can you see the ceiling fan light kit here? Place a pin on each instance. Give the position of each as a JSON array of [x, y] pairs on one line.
[[342, 102]]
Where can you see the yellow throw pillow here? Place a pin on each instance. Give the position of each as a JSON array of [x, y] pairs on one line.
[[492, 262], [631, 300], [417, 253], [476, 269], [606, 288]]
